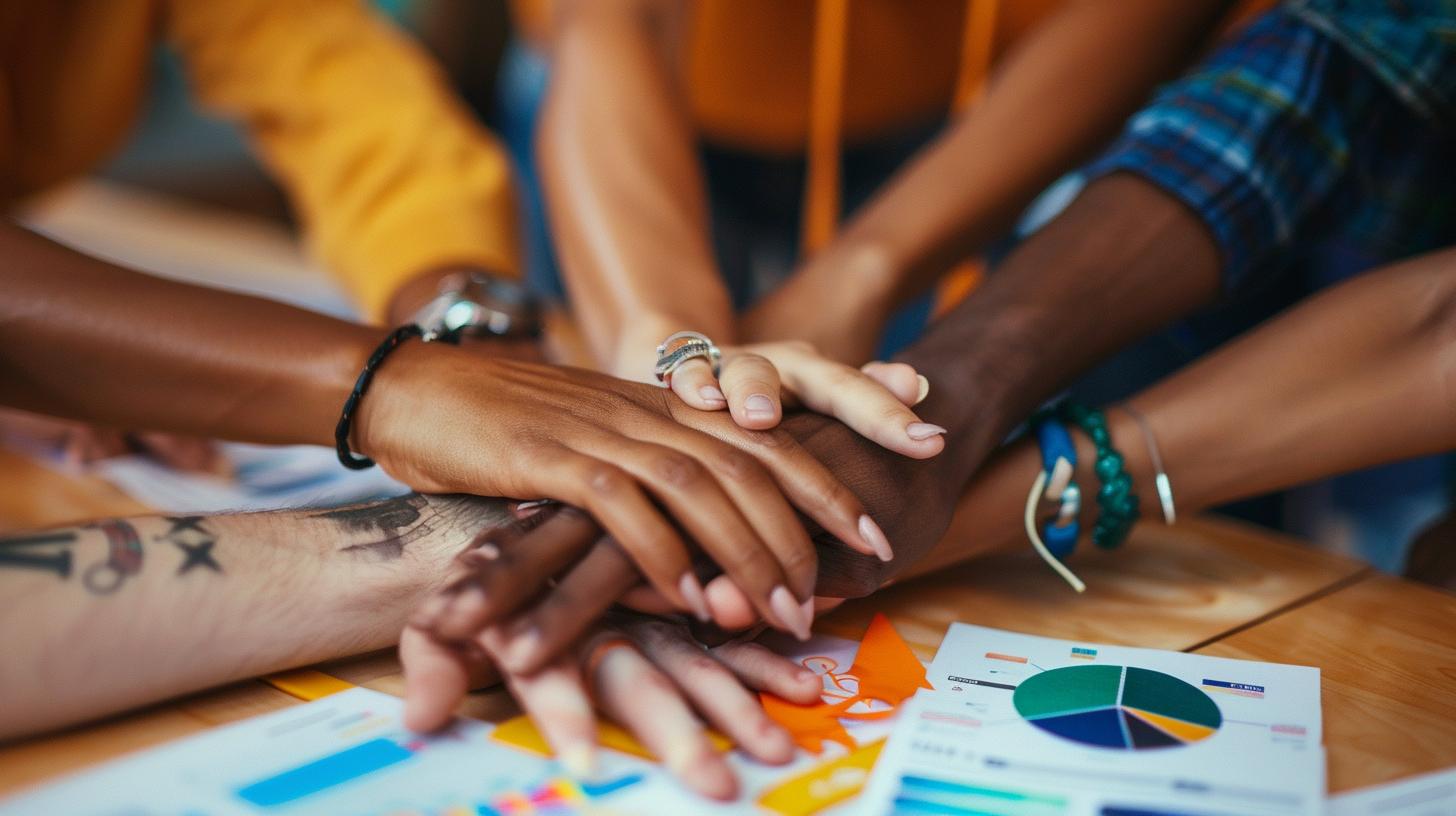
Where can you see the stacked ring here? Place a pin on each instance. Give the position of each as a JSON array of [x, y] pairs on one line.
[[680, 347]]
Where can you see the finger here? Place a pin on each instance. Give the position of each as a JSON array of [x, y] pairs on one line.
[[615, 498], [752, 385], [811, 488], [908, 386], [700, 504], [557, 701], [506, 570], [714, 690], [694, 382], [761, 669], [862, 403], [732, 610], [646, 600], [634, 693], [546, 630], [436, 677]]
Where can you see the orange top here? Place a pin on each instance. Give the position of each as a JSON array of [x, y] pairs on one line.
[[390, 175], [748, 63], [791, 76]]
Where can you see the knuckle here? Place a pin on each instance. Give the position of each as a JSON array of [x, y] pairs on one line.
[[606, 480], [677, 470], [800, 560], [737, 466], [800, 347], [701, 664]]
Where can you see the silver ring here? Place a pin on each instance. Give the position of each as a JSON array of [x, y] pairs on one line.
[[694, 345]]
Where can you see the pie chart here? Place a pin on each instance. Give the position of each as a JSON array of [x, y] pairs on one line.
[[1117, 707]]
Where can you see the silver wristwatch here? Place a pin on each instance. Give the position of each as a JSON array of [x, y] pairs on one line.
[[476, 304]]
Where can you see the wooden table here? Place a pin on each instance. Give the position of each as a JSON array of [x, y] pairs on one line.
[[1387, 648]]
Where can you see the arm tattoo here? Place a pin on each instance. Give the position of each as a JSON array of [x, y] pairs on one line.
[[26, 552], [188, 534], [392, 525], [123, 558]]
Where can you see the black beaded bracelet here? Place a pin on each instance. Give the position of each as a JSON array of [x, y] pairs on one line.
[[347, 457]]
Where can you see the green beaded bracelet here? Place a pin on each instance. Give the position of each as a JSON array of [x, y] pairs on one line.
[[1115, 499]]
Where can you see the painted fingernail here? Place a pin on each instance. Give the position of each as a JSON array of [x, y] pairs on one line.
[[921, 431], [789, 612], [693, 595], [712, 396], [875, 537], [580, 761], [924, 389], [758, 406]]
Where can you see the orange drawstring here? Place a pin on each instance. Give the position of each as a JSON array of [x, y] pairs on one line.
[[826, 106], [826, 115]]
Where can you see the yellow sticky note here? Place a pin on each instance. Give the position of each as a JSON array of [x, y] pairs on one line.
[[520, 732], [824, 785], [307, 684]]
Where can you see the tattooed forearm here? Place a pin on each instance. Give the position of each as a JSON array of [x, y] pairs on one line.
[[190, 535], [391, 526]]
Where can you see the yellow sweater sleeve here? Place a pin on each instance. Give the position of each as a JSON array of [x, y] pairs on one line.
[[389, 173]]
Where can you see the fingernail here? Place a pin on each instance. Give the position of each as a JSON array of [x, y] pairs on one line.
[[712, 395], [693, 595], [920, 431], [875, 537], [758, 406], [789, 612], [580, 761], [924, 389]]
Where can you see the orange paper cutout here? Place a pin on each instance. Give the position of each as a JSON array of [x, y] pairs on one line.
[[886, 667], [886, 671]]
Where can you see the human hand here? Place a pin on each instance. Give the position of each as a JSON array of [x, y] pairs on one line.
[[647, 674], [756, 379], [83, 444], [531, 623], [444, 420]]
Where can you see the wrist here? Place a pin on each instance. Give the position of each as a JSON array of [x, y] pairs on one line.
[[406, 386]]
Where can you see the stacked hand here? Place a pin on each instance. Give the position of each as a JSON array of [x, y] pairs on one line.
[[537, 603]]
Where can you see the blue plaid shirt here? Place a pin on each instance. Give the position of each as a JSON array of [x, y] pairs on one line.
[[1317, 139]]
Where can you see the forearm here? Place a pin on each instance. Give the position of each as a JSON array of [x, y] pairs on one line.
[[1124, 260], [1044, 111], [89, 340], [153, 607], [1355, 377], [623, 186]]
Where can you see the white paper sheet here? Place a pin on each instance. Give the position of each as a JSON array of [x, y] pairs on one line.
[[1029, 726], [1432, 794]]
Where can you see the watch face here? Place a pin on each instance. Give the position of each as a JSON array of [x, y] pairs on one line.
[[481, 305]]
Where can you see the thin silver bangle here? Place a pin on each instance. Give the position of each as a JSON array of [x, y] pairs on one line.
[[1160, 478]]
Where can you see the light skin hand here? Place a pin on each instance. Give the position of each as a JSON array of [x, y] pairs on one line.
[[647, 674], [757, 379]]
